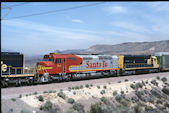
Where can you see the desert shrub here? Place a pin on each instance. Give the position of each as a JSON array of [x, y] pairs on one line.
[[98, 87], [158, 78], [138, 108], [139, 85], [50, 91], [74, 93], [13, 99], [139, 94], [79, 107], [133, 86], [45, 92], [35, 93], [119, 81], [126, 80], [25, 111], [122, 92], [69, 88], [26, 94], [40, 98], [54, 91], [114, 93], [96, 108], [71, 110], [156, 93], [20, 96], [61, 94], [118, 98], [91, 85], [77, 87], [81, 86], [71, 100], [165, 90], [104, 100], [143, 83], [47, 106], [164, 79], [154, 82], [102, 91], [124, 102], [105, 87], [87, 85], [146, 81]]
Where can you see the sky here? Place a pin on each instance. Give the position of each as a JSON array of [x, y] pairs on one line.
[[80, 28]]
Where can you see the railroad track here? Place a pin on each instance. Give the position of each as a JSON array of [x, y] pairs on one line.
[[15, 91]]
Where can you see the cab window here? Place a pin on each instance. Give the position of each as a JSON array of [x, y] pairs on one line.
[[58, 61]]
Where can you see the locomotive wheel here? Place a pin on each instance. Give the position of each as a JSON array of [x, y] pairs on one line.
[[4, 84], [18, 82]]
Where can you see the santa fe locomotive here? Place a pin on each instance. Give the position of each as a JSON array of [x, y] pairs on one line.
[[64, 67]]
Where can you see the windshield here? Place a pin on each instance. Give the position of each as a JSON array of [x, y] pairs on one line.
[[48, 59]]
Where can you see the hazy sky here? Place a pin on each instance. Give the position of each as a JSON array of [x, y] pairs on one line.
[[105, 23]]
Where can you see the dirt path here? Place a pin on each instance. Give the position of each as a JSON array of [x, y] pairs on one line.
[[7, 93]]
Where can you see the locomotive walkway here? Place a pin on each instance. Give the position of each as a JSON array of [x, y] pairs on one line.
[[13, 92]]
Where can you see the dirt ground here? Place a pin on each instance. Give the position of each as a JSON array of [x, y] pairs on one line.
[[12, 103]]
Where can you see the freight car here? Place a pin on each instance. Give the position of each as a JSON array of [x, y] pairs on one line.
[[12, 69], [163, 60]]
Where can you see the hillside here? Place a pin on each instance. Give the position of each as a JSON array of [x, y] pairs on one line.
[[130, 48]]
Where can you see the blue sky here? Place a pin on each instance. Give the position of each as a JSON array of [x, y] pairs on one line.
[[106, 23]]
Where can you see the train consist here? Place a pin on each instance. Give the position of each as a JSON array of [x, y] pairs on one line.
[[64, 67]]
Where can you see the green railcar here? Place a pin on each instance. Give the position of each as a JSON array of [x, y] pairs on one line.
[[163, 59]]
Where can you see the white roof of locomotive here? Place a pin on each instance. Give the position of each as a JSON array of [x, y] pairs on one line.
[[96, 56]]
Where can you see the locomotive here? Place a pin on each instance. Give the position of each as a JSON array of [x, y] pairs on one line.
[[65, 67]]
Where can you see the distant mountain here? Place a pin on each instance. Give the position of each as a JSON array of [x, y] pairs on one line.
[[130, 48], [134, 48], [71, 51]]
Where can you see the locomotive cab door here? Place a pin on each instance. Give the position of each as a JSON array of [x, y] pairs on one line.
[[64, 65]]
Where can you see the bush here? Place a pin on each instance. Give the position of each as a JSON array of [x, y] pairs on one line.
[[105, 87], [102, 92], [119, 81], [79, 107], [69, 88], [61, 94], [139, 85], [71, 100], [118, 98], [133, 86], [81, 86], [71, 110], [104, 100], [114, 93], [47, 106], [98, 87], [25, 111], [154, 82], [20, 96], [126, 80], [87, 85], [91, 85], [164, 79], [74, 93], [122, 92], [158, 78], [40, 98], [45, 92], [77, 87], [165, 90], [13, 99], [96, 108], [50, 91], [35, 93], [137, 108]]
